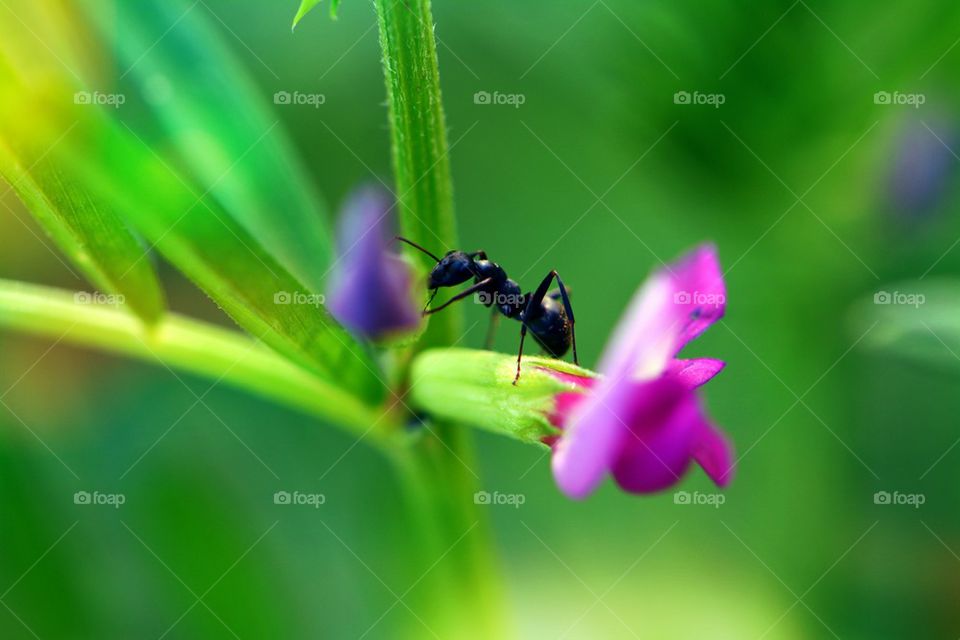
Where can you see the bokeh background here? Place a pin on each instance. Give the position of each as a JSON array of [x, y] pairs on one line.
[[819, 195]]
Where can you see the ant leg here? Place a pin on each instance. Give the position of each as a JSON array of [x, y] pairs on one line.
[[460, 296], [555, 293], [537, 298], [433, 295], [569, 309], [492, 328], [523, 334]]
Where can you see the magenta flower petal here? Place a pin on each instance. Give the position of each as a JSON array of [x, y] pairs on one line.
[[712, 452], [646, 337], [592, 440], [656, 454], [370, 292], [675, 305], [696, 371], [641, 421], [699, 291]]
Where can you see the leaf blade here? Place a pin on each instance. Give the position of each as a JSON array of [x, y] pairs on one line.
[[191, 231], [257, 177], [91, 235]]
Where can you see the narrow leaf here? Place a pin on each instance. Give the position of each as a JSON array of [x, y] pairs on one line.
[[91, 235], [225, 260], [307, 5], [220, 124], [190, 229]]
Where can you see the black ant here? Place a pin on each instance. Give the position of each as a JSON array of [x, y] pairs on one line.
[[550, 322]]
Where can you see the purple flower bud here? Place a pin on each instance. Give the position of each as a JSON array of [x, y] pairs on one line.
[[923, 168], [371, 290]]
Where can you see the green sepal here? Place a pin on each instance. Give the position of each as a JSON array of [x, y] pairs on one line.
[[476, 388]]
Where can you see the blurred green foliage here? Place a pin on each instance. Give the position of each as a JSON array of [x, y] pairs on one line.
[[601, 175]]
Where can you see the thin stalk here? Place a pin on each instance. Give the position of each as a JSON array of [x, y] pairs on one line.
[[438, 474], [181, 343], [418, 133]]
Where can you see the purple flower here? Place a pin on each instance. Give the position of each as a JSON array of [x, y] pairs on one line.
[[924, 167], [371, 289], [642, 421]]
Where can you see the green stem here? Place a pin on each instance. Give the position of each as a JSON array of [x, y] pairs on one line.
[[438, 477], [185, 344], [421, 163]]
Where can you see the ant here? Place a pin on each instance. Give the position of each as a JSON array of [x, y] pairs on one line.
[[550, 322]]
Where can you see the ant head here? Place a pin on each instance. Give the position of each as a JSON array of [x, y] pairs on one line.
[[452, 269], [456, 267]]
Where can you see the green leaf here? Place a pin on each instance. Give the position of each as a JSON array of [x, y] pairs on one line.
[[307, 5], [476, 388], [90, 234], [222, 126], [225, 260], [419, 140], [919, 320], [192, 231]]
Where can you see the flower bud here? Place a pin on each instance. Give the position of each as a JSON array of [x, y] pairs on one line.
[[476, 388]]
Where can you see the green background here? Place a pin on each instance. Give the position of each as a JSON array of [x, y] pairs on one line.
[[799, 549]]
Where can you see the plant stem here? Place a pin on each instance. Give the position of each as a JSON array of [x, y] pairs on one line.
[[189, 345], [418, 131], [438, 475]]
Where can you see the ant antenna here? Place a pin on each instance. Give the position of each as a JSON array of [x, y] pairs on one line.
[[416, 246]]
